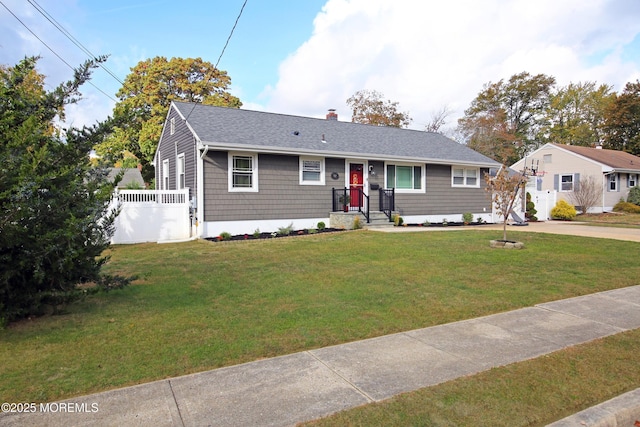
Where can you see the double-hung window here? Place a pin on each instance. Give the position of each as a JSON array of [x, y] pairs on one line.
[[566, 182], [465, 177], [165, 174], [613, 182], [180, 172], [632, 180], [405, 178], [311, 171], [243, 172]]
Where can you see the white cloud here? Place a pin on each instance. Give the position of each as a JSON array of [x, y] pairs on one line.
[[426, 55]]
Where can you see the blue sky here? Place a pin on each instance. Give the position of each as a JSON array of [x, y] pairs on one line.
[[305, 56]]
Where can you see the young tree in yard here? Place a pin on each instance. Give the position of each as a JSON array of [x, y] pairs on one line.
[[145, 98], [587, 193], [504, 189], [54, 221], [368, 107]]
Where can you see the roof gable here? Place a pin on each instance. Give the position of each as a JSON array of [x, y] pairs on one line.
[[231, 128], [618, 160]]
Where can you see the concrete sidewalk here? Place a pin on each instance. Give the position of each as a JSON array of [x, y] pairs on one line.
[[285, 390]]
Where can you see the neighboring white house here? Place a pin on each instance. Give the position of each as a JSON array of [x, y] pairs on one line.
[[560, 168]]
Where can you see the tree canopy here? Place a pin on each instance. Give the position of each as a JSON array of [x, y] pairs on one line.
[[54, 220], [509, 119], [369, 107], [144, 100], [506, 117], [622, 123]]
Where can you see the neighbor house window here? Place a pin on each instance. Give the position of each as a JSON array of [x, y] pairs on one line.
[[632, 180], [566, 182], [165, 174], [180, 171], [546, 158], [465, 177], [243, 172], [172, 126], [311, 171], [613, 182], [405, 177]]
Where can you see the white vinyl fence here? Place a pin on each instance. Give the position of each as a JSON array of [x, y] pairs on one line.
[[151, 216]]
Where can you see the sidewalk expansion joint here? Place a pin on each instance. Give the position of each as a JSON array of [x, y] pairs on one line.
[[343, 378], [175, 401]]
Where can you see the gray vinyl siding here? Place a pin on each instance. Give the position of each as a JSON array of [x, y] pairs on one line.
[[280, 195], [170, 147], [441, 198]]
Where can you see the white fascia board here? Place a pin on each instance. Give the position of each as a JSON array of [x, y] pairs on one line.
[[337, 154]]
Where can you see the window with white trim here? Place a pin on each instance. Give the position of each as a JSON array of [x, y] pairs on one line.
[[165, 174], [405, 178], [311, 171], [465, 177], [613, 182], [180, 177], [243, 172], [632, 179], [172, 126], [566, 182]]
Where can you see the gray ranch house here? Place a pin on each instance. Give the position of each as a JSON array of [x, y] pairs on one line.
[[251, 170]]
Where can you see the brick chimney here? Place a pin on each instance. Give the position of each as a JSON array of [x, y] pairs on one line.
[[331, 115]]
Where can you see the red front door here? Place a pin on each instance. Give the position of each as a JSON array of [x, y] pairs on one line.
[[356, 182]]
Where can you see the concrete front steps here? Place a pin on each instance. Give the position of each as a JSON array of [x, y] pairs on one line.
[[376, 220]]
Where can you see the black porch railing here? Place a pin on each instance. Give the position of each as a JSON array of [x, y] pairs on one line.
[[350, 200], [387, 201]]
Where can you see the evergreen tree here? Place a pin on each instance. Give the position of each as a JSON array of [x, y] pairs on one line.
[[54, 217]]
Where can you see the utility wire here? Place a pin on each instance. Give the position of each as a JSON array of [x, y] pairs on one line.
[[53, 51], [215, 67], [68, 35]]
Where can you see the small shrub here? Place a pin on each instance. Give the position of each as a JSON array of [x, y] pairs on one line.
[[397, 220], [634, 195], [312, 231], [426, 223], [467, 217], [627, 207], [530, 212], [224, 236], [256, 233], [285, 231], [563, 210], [321, 225], [356, 223], [445, 222]]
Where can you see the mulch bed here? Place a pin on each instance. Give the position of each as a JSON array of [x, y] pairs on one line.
[[272, 235]]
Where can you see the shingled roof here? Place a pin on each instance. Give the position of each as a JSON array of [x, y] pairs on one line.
[[232, 128], [618, 160]]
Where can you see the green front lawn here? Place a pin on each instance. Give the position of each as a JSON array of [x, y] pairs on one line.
[[202, 305]]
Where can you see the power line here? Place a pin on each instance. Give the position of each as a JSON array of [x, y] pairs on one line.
[[68, 35], [53, 51], [215, 67]]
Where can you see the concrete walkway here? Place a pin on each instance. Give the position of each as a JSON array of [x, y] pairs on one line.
[[303, 386], [553, 227], [285, 390]]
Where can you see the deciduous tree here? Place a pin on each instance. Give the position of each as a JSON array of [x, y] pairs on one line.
[[504, 189], [504, 120], [146, 96], [576, 114], [622, 123], [369, 107], [54, 221]]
